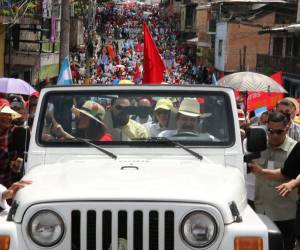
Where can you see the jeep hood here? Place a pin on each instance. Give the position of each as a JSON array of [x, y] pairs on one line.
[[138, 180]]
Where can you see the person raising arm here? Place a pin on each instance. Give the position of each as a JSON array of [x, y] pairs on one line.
[[290, 172]]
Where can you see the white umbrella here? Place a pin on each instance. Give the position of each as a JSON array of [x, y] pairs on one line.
[[15, 86], [251, 81]]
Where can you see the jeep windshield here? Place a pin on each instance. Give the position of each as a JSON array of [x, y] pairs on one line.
[[118, 117]]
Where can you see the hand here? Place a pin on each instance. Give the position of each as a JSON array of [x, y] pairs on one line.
[[16, 165], [255, 168], [10, 193], [58, 130], [285, 188], [47, 137]]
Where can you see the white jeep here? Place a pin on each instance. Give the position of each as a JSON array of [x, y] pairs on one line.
[[120, 189]]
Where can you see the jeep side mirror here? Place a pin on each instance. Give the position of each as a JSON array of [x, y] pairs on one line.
[[256, 142]]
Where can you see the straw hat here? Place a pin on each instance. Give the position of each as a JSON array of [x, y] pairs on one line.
[[4, 109], [91, 109], [294, 102], [189, 107]]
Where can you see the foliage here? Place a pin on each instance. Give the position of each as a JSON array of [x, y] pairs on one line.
[[17, 9], [267, 70]]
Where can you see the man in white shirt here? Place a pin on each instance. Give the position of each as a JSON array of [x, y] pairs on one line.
[[162, 112], [187, 122], [10, 193]]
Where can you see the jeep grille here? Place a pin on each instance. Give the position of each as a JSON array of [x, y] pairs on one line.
[[138, 230]]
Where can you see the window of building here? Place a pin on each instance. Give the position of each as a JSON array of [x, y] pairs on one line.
[[296, 47], [15, 36], [47, 29], [212, 26], [220, 47], [277, 46], [190, 15]]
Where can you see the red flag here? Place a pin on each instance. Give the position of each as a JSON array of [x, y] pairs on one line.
[[137, 73], [278, 77], [153, 65], [269, 100]]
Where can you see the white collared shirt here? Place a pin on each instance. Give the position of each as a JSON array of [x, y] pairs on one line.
[[154, 128]]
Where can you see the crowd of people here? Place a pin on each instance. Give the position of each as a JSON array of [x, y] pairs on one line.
[[113, 52], [274, 191], [274, 181], [16, 118]]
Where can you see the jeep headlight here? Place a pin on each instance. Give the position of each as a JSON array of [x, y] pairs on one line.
[[199, 229], [46, 228]]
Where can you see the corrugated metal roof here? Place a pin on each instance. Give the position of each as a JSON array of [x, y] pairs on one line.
[[284, 28], [248, 1]]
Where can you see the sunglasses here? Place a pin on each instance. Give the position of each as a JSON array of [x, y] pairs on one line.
[[287, 114], [120, 107], [275, 131]]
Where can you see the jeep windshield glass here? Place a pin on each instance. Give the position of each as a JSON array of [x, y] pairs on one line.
[[169, 141], [127, 119]]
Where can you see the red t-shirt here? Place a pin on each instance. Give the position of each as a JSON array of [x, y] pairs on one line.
[[105, 137]]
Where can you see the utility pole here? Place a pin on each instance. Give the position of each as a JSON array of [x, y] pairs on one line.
[[64, 30]]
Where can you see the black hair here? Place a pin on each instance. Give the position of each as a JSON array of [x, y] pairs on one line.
[[285, 103], [95, 130], [179, 114], [275, 116]]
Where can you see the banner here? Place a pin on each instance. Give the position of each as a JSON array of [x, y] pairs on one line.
[[262, 99]]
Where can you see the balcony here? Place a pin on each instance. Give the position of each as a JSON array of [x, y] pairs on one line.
[[289, 65]]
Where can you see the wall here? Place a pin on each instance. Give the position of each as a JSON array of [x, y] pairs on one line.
[[76, 36], [176, 6], [221, 34], [202, 24], [31, 36], [245, 35], [205, 55], [182, 18], [244, 41]]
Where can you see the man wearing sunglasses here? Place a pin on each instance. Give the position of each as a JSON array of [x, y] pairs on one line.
[[282, 210], [287, 107], [129, 128], [290, 106]]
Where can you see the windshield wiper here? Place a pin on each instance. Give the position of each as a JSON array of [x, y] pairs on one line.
[[165, 139], [110, 154]]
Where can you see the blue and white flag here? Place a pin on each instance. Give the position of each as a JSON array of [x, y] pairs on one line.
[[260, 110], [214, 79], [65, 74]]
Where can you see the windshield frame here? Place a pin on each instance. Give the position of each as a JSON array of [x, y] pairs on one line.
[[190, 91]]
